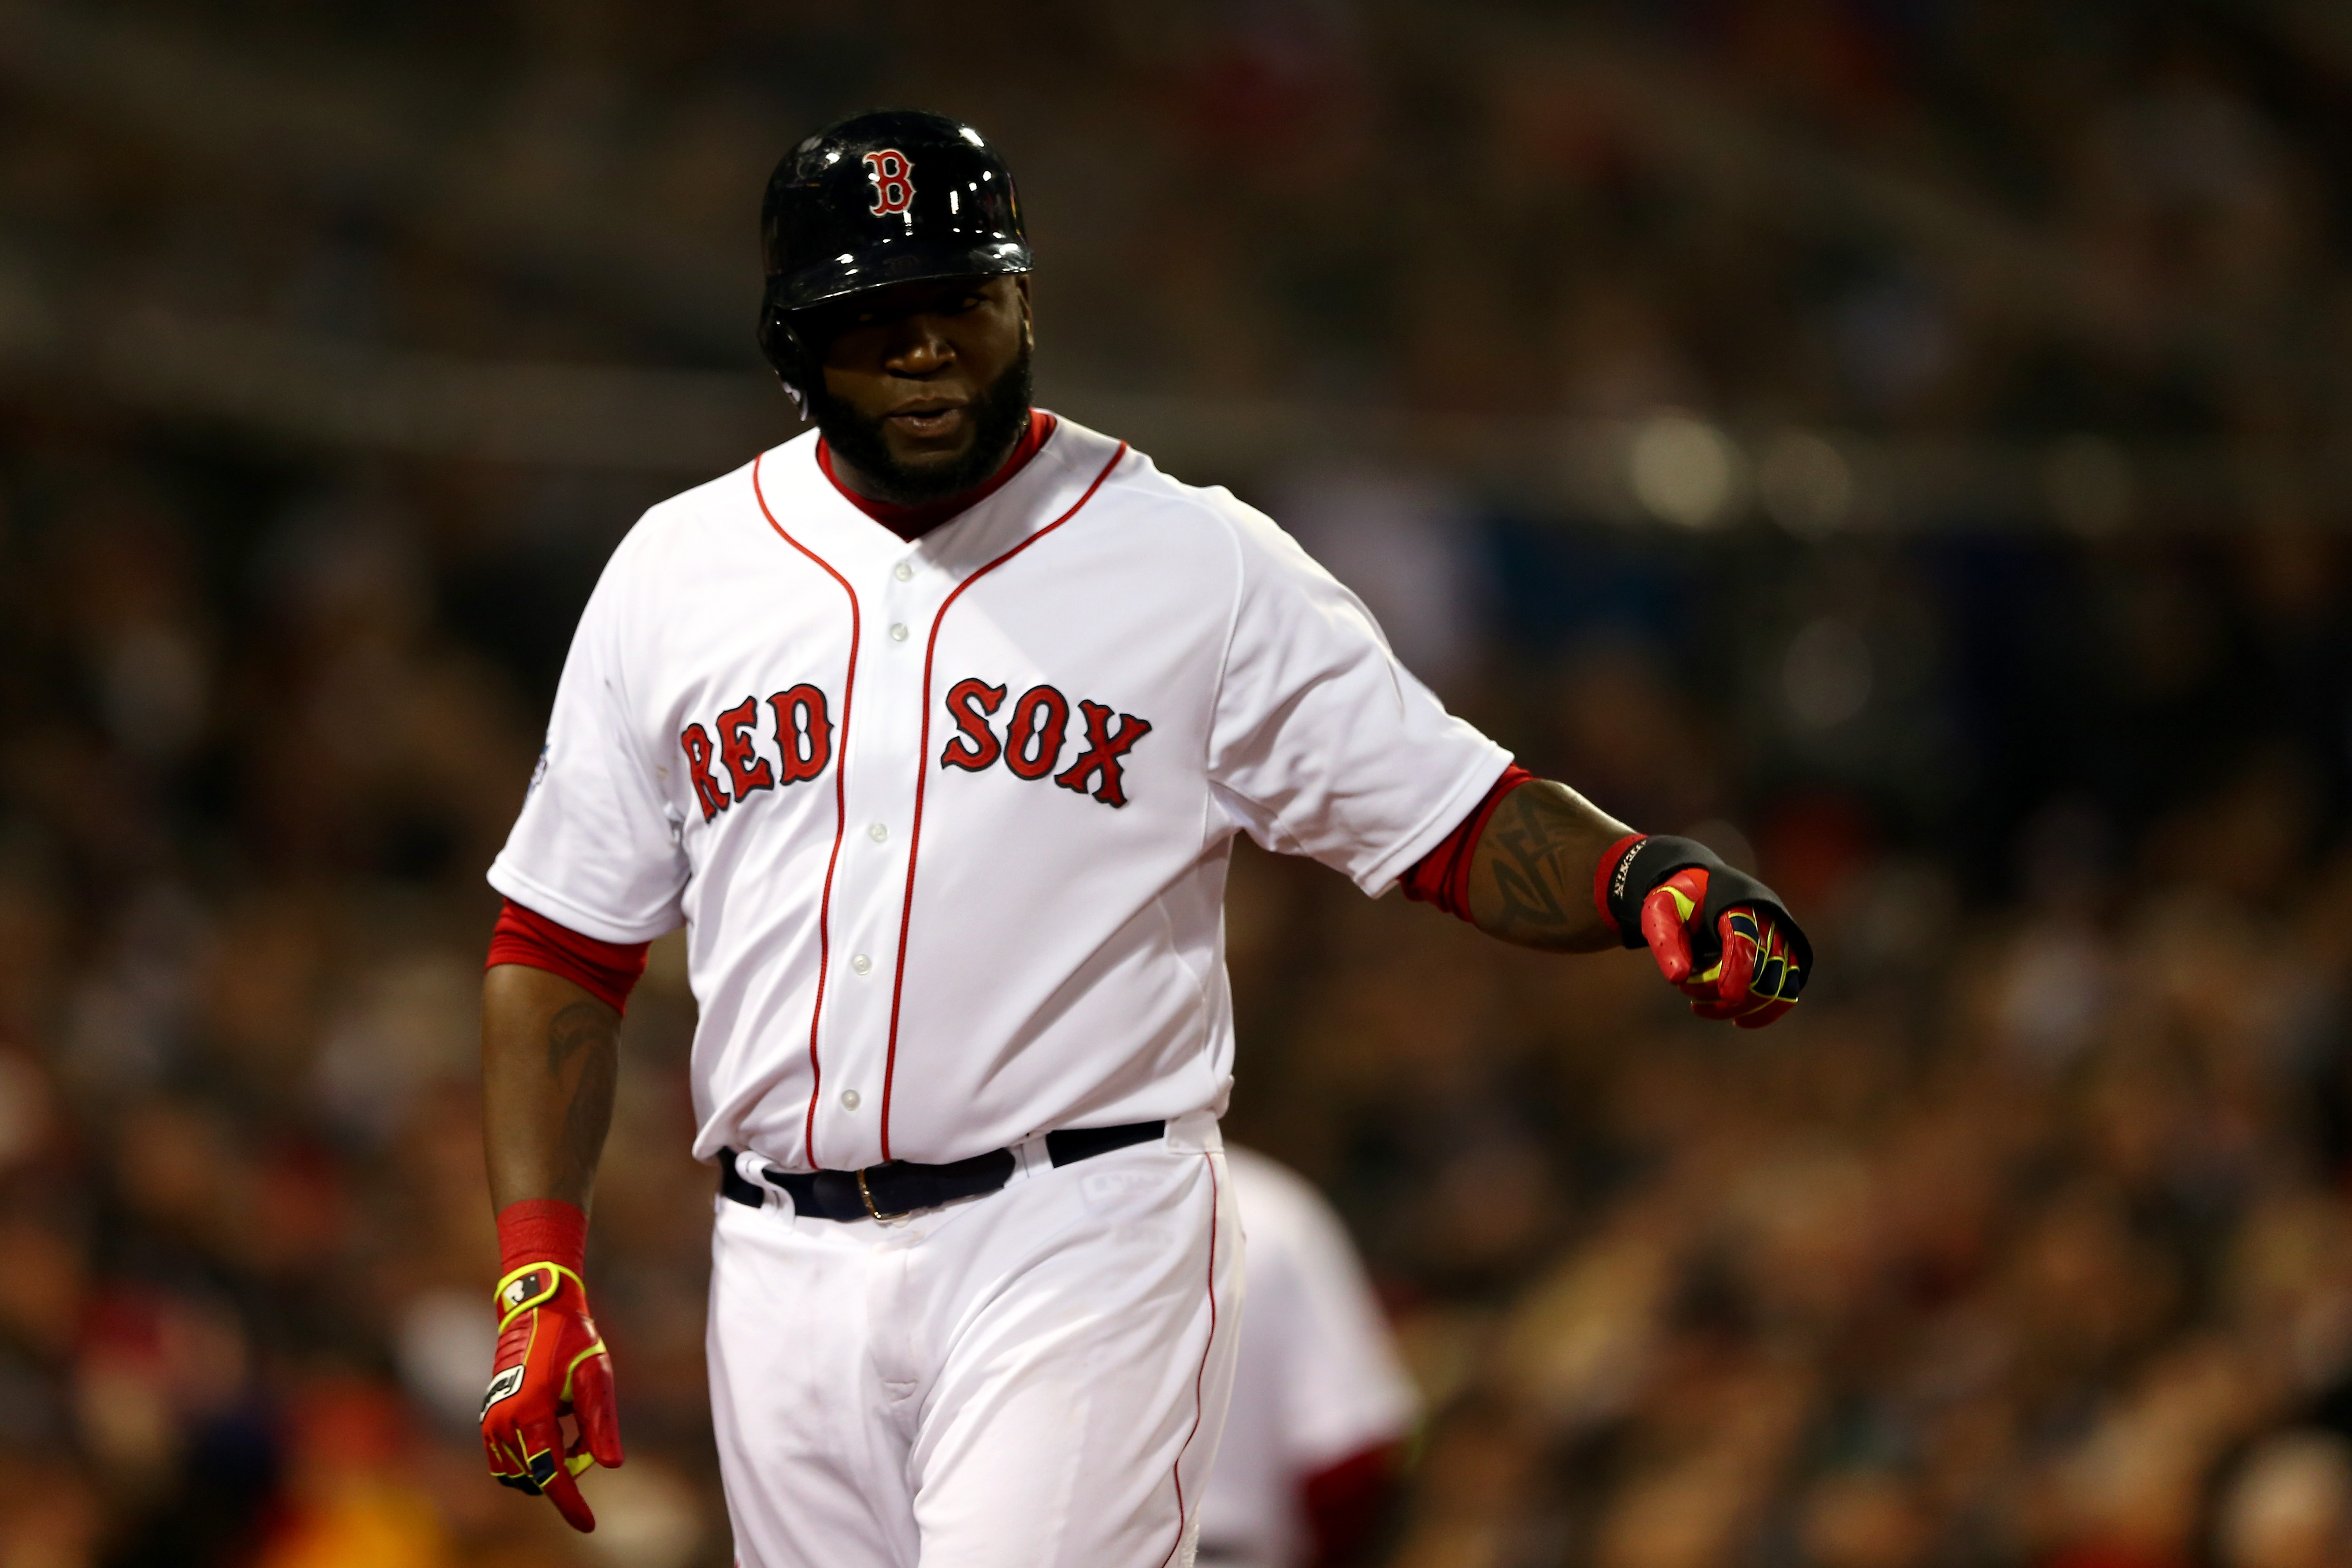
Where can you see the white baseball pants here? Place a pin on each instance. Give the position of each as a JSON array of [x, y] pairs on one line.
[[1033, 1379]]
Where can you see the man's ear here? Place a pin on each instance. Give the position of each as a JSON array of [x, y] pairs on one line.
[[1028, 324]]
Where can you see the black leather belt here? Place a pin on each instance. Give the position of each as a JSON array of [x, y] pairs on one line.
[[900, 1187]]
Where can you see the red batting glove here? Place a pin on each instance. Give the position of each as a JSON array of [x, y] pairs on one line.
[[550, 1362], [1753, 983], [1720, 936]]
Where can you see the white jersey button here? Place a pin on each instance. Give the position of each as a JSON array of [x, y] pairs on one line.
[[848, 1100], [902, 572], [861, 963], [877, 832], [899, 632]]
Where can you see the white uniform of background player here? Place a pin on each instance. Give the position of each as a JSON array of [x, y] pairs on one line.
[[1317, 1382], [947, 825]]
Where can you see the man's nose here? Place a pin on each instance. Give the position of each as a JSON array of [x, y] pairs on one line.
[[919, 348]]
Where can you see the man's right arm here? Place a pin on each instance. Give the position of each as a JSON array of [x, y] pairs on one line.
[[595, 845], [552, 1001], [551, 1055]]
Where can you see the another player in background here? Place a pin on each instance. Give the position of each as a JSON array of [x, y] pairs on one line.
[[1321, 1406]]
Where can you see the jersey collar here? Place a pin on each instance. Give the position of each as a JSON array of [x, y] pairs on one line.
[[911, 523]]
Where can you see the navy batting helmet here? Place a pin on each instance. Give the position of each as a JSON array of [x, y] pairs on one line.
[[895, 196]]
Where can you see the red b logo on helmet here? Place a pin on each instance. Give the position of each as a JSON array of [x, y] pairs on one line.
[[892, 175]]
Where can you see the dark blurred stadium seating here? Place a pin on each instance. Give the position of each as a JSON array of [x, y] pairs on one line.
[[1903, 442]]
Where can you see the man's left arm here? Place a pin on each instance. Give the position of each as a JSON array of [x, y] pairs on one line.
[[1531, 866], [1321, 743], [1548, 870]]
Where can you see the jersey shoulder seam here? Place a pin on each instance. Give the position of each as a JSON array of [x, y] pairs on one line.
[[670, 514], [1230, 528], [1231, 536]]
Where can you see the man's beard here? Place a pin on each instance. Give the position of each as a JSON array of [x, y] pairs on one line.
[[997, 417]]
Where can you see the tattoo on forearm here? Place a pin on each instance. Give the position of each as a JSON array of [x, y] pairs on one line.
[[1534, 849], [573, 1027], [585, 1032]]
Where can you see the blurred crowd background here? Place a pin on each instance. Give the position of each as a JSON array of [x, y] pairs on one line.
[[1901, 442]]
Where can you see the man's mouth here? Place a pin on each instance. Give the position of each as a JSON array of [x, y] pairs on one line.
[[926, 418]]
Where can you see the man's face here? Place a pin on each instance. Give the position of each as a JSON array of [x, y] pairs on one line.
[[925, 384]]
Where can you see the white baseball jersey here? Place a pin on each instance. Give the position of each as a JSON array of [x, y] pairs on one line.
[[1317, 1382], [948, 822]]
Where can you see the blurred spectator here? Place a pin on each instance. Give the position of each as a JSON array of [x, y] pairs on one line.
[[2291, 1504], [1401, 546]]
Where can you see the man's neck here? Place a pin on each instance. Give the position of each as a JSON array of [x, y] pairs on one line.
[[911, 523]]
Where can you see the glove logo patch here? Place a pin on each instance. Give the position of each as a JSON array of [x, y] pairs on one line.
[[522, 1287], [505, 1385]]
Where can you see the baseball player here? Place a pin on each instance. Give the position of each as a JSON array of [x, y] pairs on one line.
[[934, 727], [1320, 1403]]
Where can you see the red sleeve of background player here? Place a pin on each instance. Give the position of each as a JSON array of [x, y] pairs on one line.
[[1347, 1503], [607, 971], [1442, 877]]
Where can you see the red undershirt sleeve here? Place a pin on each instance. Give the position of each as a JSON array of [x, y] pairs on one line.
[[1442, 877], [607, 971]]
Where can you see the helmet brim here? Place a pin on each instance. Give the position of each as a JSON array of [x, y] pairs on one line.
[[838, 277]]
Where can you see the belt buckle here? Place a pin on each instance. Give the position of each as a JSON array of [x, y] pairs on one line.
[[868, 1196]]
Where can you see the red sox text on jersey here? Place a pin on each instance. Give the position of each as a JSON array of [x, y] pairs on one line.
[[1032, 746]]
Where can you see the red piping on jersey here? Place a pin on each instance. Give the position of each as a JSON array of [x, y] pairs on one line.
[[923, 775], [840, 817], [1176, 1470]]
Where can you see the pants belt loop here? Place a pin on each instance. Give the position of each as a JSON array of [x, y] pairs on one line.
[[1029, 1157], [1195, 1131]]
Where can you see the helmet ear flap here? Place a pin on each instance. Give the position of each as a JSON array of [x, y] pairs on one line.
[[786, 351]]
